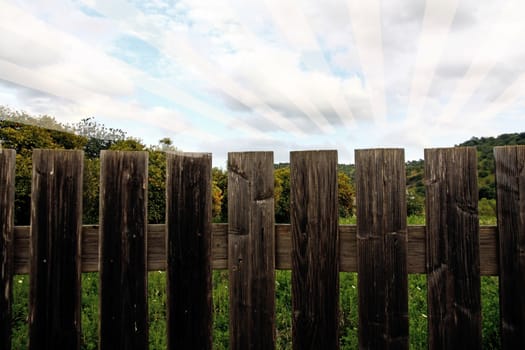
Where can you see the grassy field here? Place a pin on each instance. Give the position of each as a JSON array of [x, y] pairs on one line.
[[348, 305]]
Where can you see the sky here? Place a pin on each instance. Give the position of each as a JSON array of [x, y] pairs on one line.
[[271, 75]]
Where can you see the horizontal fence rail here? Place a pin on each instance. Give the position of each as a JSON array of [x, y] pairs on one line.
[[452, 249], [488, 238]]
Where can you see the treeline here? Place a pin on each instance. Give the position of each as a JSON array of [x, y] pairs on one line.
[[486, 182], [24, 133]]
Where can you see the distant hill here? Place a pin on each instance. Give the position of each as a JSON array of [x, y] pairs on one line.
[[485, 146]]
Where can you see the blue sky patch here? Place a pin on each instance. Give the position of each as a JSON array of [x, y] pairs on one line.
[[138, 53]]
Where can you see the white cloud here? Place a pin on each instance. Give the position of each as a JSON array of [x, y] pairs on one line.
[[268, 70]]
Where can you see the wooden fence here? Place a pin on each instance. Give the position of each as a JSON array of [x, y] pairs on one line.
[[453, 250]]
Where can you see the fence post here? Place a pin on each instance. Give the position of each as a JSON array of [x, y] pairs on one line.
[[315, 249], [452, 245], [56, 226], [251, 250], [123, 270], [382, 248], [7, 209], [188, 250], [510, 191]]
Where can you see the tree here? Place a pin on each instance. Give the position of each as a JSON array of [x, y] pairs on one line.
[[23, 133], [282, 195], [220, 194], [217, 201], [345, 195], [98, 136]]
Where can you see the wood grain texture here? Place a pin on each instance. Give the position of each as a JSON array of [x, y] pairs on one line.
[[453, 260], [188, 242], [251, 250], [488, 237], [123, 262], [510, 192], [315, 250], [56, 226], [382, 248], [7, 210]]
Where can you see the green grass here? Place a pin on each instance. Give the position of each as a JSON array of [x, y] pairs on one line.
[[348, 307]]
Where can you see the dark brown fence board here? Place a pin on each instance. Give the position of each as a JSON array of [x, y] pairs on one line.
[[188, 242], [7, 210], [382, 248], [453, 260], [56, 226], [315, 249], [123, 262], [251, 250], [510, 189]]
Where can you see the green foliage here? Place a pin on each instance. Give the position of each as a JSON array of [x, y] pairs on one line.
[[485, 147], [348, 301], [221, 295], [156, 187], [487, 207], [157, 310], [348, 310], [415, 203], [98, 136], [417, 311], [345, 193], [283, 309], [24, 133], [90, 312], [282, 194], [220, 194], [490, 325], [90, 195], [20, 329]]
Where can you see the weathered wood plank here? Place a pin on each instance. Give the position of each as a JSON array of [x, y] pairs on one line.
[[7, 210], [56, 226], [123, 270], [488, 237], [315, 250], [453, 260], [251, 250], [382, 248], [510, 190], [188, 242]]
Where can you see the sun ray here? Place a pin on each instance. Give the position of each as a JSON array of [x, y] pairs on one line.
[[485, 59], [432, 39], [504, 100], [292, 22], [183, 49], [153, 85], [366, 28]]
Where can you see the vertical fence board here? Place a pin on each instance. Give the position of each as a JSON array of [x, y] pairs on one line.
[[315, 249], [251, 250], [7, 209], [510, 187], [188, 242], [123, 270], [452, 245], [382, 248], [56, 226]]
